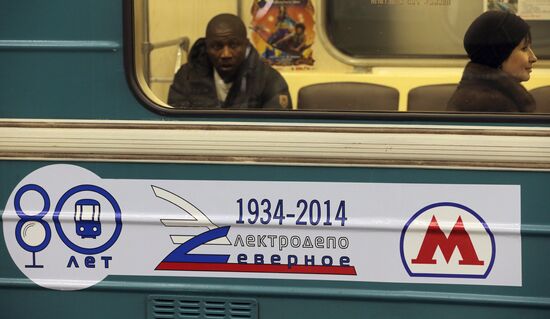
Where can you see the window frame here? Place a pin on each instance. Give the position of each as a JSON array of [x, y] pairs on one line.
[[148, 100]]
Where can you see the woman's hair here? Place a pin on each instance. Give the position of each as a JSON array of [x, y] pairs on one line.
[[492, 37]]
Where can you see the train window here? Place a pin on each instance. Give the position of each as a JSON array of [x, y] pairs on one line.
[[338, 56], [431, 29]]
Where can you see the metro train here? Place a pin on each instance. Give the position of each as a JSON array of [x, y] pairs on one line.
[[368, 203]]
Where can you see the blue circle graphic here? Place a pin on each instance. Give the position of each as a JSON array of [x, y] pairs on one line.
[[66, 240], [19, 195]]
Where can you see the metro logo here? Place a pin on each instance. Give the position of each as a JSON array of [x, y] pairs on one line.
[[458, 238], [447, 240]]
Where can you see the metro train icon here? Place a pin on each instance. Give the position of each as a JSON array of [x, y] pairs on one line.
[[86, 217]]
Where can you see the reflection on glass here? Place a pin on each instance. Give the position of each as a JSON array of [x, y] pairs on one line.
[[414, 47]]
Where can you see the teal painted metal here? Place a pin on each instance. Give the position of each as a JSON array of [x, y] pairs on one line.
[[45, 45], [289, 289], [356, 300], [63, 60]]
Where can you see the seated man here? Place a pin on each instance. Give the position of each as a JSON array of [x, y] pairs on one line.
[[225, 71]]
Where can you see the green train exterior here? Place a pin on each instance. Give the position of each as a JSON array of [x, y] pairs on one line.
[[69, 95]]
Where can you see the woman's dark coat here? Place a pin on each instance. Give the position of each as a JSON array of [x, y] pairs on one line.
[[486, 89]]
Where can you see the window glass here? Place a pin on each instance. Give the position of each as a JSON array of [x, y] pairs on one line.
[[420, 28], [316, 55]]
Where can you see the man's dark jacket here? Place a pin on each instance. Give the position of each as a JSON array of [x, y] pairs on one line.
[[486, 89], [257, 85]]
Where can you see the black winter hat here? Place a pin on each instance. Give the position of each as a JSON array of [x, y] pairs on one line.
[[492, 37]]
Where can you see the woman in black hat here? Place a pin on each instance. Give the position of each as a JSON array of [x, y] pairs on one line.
[[498, 44]]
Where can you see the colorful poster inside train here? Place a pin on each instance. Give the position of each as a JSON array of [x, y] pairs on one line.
[[72, 232], [283, 31]]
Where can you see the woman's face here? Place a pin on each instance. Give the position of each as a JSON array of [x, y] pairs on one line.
[[520, 62]]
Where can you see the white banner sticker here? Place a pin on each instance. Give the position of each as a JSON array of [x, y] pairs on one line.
[[67, 228]]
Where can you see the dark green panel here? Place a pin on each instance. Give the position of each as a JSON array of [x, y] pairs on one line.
[[51, 84], [61, 20], [36, 303], [46, 304], [535, 220], [69, 65], [64, 59], [535, 188]]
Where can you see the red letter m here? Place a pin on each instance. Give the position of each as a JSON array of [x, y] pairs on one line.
[[458, 238]]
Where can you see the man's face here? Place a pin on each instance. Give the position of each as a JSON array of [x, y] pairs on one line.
[[226, 51]]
